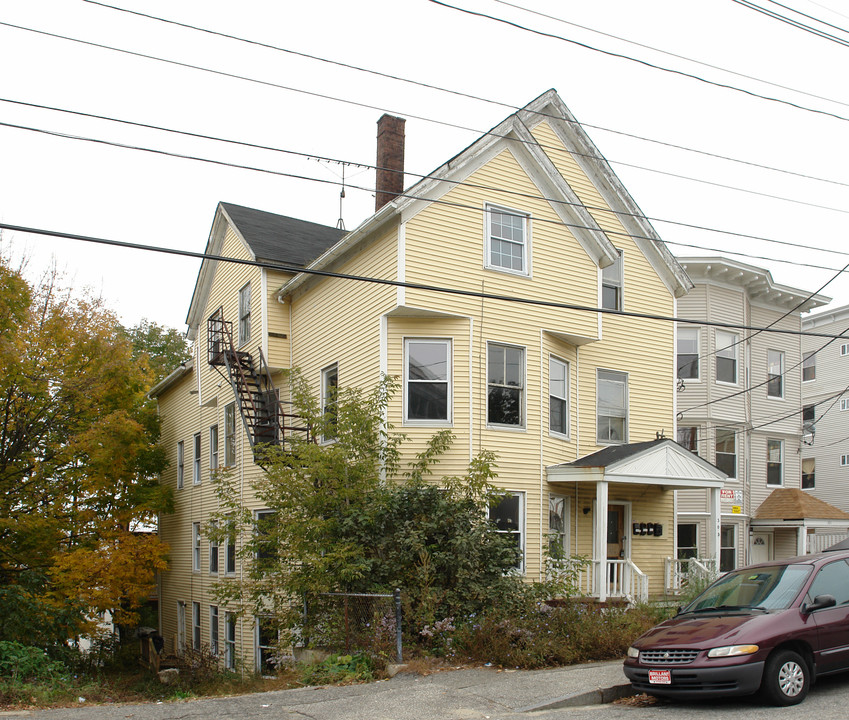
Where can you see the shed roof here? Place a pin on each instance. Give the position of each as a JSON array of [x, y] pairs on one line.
[[796, 504]]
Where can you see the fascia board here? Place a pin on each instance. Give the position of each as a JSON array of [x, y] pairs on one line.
[[593, 164], [181, 370]]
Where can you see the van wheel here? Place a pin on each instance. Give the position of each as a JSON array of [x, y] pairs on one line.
[[786, 678]]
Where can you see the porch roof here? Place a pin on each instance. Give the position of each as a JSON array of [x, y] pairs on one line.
[[789, 504], [656, 462]]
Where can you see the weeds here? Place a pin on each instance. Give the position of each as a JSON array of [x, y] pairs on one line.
[[339, 670]]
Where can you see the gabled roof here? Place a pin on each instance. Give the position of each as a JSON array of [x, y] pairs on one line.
[[279, 238], [796, 504], [655, 462], [268, 237], [515, 133]]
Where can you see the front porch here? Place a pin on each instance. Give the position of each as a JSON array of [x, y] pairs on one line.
[[625, 526]]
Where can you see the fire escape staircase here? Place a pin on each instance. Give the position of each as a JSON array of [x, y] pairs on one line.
[[265, 418]]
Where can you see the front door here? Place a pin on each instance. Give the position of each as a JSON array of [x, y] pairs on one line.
[[761, 548], [615, 532]]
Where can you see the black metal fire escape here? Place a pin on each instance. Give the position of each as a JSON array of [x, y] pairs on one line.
[[265, 418]]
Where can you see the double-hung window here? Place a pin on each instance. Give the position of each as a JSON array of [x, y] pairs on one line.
[[229, 641], [809, 366], [558, 396], [181, 464], [775, 374], [505, 400], [230, 549], [558, 520], [688, 353], [213, 448], [507, 240], [196, 625], [329, 408], [727, 548], [266, 537], [726, 451], [774, 462], [809, 466], [611, 285], [688, 436], [427, 373], [230, 435], [196, 547], [213, 550], [196, 460], [688, 545], [611, 406], [726, 357], [213, 629], [508, 517], [245, 314]]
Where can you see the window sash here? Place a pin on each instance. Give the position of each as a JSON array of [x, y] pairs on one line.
[[507, 240], [558, 396], [727, 548], [505, 385], [230, 435], [427, 373], [181, 464], [809, 367], [611, 406], [775, 374], [611, 285], [229, 641], [329, 409], [688, 541], [688, 353], [196, 461], [808, 473], [558, 526], [213, 448], [775, 462], [196, 625], [688, 437], [245, 314], [213, 553], [196, 547], [213, 629], [508, 517], [726, 357], [726, 452]]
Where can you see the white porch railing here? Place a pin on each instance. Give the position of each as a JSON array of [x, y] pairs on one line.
[[623, 579], [818, 543], [682, 571]]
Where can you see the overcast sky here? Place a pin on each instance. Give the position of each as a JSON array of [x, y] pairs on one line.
[[281, 100]]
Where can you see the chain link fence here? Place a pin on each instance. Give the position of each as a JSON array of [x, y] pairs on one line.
[[355, 622]]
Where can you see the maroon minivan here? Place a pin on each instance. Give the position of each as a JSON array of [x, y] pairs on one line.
[[773, 627]]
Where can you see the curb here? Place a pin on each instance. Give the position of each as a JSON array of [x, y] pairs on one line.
[[599, 696]]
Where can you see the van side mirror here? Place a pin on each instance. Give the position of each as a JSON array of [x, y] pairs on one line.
[[820, 602]]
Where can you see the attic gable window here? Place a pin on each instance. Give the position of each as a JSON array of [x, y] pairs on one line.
[[507, 240], [611, 285]]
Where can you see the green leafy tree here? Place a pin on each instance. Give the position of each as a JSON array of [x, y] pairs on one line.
[[346, 516], [78, 463], [161, 347]]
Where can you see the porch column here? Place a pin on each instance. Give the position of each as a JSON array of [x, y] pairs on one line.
[[713, 528], [600, 538], [802, 540]]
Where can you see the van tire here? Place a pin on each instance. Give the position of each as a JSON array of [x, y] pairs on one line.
[[787, 678]]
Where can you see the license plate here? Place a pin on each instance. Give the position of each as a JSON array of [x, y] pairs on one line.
[[660, 677]]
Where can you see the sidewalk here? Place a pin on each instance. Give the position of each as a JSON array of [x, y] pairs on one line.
[[470, 693]]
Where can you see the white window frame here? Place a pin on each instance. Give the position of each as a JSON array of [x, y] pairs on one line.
[[844, 404], [679, 547], [564, 533], [679, 432], [775, 361], [555, 396], [260, 648], [726, 347], [522, 388], [809, 363], [213, 629], [258, 516], [411, 383], [331, 371], [844, 461], [244, 314], [491, 212], [230, 555], [196, 636], [181, 464], [613, 276], [230, 434], [770, 443], [213, 448], [733, 435], [214, 552], [195, 547], [229, 641], [688, 335], [181, 627], [196, 459], [621, 378], [732, 547], [812, 474], [520, 530], [844, 349]]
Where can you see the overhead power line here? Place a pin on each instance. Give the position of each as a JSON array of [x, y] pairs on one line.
[[644, 63], [793, 23], [499, 103], [296, 270], [464, 183]]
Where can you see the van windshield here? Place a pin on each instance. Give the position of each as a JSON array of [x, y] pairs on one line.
[[764, 588]]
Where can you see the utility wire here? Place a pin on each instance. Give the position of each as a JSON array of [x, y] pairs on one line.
[[793, 23], [641, 62], [514, 193], [498, 103], [664, 52], [810, 17], [296, 270]]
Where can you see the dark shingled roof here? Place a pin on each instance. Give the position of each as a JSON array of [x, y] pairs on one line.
[[282, 239], [614, 454]]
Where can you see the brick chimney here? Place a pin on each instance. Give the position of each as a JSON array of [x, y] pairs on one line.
[[390, 160]]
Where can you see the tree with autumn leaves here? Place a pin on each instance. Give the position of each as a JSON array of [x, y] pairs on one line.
[[78, 461]]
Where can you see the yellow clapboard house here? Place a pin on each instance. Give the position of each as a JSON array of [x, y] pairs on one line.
[[576, 403]]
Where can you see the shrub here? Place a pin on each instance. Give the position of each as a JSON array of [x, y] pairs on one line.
[[24, 662], [339, 669]]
